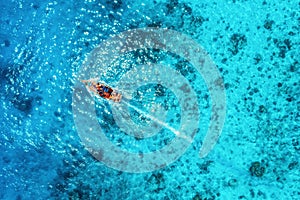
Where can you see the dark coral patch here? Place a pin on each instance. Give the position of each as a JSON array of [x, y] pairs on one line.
[[268, 24], [197, 21], [283, 46], [238, 41], [171, 6], [6, 43], [116, 4], [256, 169], [23, 104]]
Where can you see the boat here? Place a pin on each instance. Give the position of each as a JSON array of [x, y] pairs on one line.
[[102, 90]]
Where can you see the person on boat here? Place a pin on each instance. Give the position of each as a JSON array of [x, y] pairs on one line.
[[104, 91]]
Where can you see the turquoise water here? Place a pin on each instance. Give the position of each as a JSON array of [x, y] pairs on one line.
[[255, 46]]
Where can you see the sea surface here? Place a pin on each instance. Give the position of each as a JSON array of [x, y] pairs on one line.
[[253, 45]]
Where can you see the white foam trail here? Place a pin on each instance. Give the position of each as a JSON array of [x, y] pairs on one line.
[[176, 132]]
